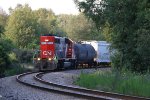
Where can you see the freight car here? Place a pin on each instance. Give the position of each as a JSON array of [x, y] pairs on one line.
[[84, 54], [103, 52], [61, 52]]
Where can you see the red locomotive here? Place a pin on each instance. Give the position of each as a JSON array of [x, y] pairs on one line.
[[55, 52], [60, 52]]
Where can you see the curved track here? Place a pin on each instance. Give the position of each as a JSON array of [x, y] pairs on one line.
[[73, 91], [55, 90]]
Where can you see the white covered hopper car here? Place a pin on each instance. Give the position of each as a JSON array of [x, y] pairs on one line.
[[102, 49]]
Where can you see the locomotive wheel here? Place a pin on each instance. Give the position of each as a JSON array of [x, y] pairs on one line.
[[76, 65], [73, 64], [51, 65], [60, 64], [37, 66]]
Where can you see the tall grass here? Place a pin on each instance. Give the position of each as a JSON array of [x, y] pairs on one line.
[[124, 83]]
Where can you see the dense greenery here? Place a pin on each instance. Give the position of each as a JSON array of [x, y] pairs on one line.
[[124, 83], [74, 25], [18, 69], [21, 26], [5, 49], [3, 19], [126, 24], [24, 26], [46, 20]]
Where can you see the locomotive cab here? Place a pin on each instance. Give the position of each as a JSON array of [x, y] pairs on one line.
[[45, 58]]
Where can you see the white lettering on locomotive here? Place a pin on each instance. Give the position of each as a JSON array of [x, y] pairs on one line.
[[46, 42], [47, 53]]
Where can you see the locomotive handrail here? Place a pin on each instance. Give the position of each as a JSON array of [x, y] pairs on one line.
[[35, 52]]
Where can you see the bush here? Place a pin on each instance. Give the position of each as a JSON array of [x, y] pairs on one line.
[[15, 70], [24, 55], [4, 58], [13, 57]]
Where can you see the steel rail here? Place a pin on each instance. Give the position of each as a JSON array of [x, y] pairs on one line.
[[84, 96], [89, 91]]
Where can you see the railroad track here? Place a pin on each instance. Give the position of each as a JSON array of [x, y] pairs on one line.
[[73, 91]]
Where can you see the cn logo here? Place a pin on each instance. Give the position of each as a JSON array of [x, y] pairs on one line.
[[47, 53]]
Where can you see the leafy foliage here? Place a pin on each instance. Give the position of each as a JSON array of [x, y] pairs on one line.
[[92, 9], [46, 20], [24, 55], [16, 70], [21, 26], [126, 23], [78, 27], [3, 19], [4, 58]]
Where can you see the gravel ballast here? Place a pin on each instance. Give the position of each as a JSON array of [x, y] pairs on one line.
[[10, 89]]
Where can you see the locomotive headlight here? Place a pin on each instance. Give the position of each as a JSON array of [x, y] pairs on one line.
[[50, 59], [38, 59], [46, 39]]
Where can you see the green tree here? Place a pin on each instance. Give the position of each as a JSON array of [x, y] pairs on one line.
[[46, 20], [3, 19], [21, 26], [93, 9], [5, 49], [78, 27]]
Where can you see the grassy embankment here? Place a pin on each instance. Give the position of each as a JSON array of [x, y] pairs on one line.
[[112, 81]]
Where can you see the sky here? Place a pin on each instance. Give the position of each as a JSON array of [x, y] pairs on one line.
[[58, 6]]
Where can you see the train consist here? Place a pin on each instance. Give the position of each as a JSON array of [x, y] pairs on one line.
[[61, 52]]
